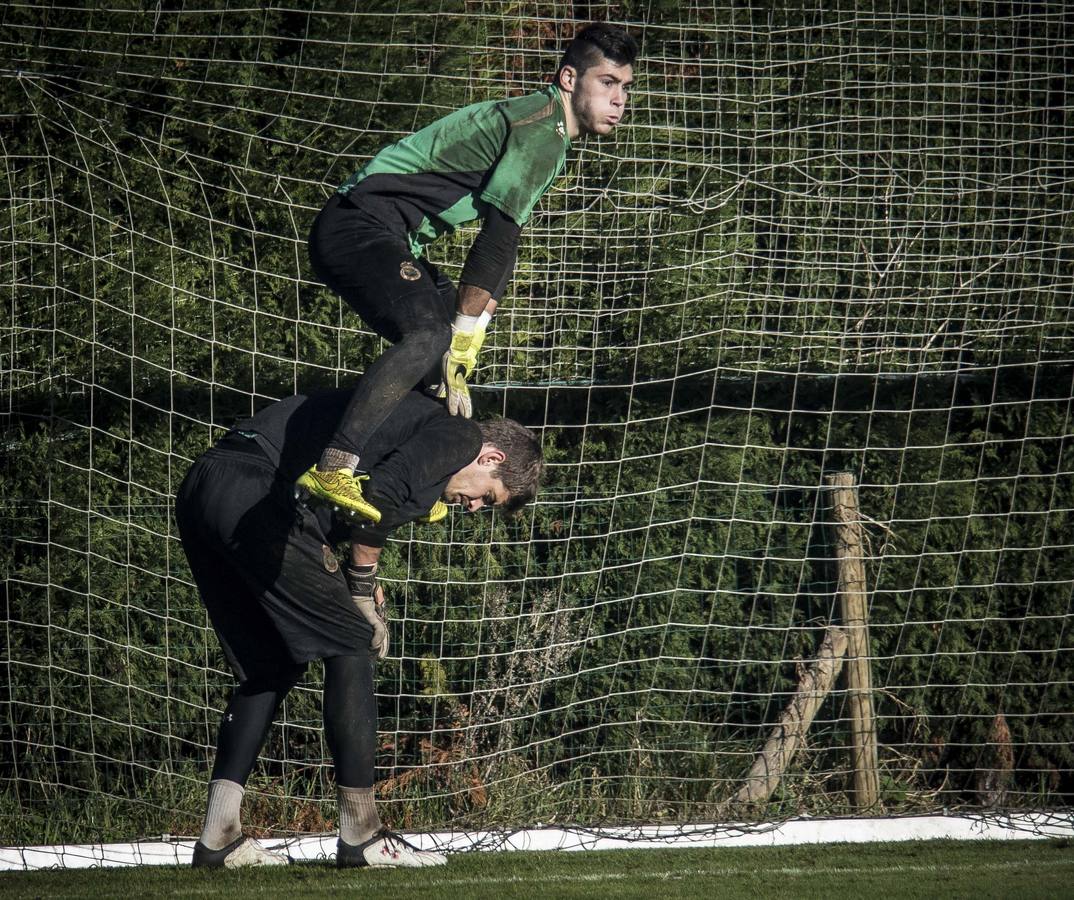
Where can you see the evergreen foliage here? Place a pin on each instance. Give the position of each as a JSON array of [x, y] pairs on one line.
[[824, 241]]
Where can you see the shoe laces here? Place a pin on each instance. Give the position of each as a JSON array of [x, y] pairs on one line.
[[394, 837]]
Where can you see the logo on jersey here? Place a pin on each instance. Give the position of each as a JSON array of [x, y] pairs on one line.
[[330, 562], [408, 271]]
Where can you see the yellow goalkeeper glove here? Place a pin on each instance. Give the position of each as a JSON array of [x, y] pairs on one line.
[[467, 336]]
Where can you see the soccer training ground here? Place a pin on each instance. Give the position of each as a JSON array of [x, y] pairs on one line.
[[978, 869]]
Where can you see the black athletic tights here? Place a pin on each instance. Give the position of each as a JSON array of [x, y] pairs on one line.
[[350, 722]]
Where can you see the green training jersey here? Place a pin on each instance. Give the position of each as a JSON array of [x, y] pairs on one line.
[[500, 152]]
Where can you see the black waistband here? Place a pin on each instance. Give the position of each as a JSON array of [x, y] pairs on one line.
[[244, 443], [370, 218]]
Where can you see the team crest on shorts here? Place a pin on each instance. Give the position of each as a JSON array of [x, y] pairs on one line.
[[408, 271], [330, 561]]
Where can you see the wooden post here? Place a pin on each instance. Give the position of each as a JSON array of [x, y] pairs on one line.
[[846, 527], [782, 743]]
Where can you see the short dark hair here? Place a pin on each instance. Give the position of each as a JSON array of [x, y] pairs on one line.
[[597, 41], [523, 462]]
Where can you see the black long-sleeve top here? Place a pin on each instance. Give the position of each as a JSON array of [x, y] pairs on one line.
[[409, 459]]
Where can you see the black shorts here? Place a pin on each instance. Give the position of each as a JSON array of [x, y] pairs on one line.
[[374, 271], [274, 590]]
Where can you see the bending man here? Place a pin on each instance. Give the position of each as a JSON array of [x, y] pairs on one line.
[[278, 598]]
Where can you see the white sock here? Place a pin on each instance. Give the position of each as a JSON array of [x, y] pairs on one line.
[[332, 460], [222, 818], [358, 819]]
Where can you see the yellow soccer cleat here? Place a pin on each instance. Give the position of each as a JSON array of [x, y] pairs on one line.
[[342, 489], [437, 514]]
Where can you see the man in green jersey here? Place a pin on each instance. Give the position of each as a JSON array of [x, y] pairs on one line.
[[491, 162]]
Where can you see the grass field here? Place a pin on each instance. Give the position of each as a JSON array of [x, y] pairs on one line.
[[1021, 869]]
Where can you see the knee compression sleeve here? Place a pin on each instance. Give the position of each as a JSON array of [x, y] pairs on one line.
[[387, 380]]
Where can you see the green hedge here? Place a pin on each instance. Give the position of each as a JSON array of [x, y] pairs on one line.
[[832, 241]]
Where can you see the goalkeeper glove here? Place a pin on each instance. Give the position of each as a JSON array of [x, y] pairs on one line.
[[368, 596], [467, 336]]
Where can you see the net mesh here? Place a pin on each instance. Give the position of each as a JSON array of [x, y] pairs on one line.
[[823, 240]]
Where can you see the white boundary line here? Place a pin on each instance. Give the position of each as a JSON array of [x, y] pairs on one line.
[[170, 851]]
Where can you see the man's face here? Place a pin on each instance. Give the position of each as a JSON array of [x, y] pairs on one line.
[[599, 96], [476, 486]]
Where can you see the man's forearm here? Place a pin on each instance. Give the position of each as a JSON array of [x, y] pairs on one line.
[[474, 300], [364, 555], [489, 263]]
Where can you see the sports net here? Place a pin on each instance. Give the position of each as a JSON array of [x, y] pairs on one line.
[[823, 240]]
